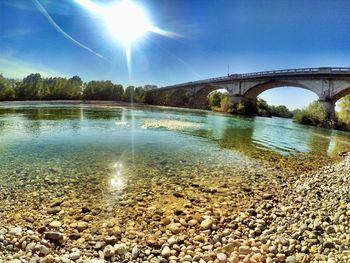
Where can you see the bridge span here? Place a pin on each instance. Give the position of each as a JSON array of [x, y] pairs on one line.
[[329, 84]]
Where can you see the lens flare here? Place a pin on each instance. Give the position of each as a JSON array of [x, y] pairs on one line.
[[126, 21]]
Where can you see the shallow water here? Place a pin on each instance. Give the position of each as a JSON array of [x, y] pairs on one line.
[[105, 156]]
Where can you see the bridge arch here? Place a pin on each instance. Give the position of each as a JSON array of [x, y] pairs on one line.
[[253, 92], [201, 95], [180, 97], [339, 95]]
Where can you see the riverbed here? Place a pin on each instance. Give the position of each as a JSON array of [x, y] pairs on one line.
[[118, 183]]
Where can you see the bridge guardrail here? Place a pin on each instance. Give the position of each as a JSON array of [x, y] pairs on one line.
[[341, 70]]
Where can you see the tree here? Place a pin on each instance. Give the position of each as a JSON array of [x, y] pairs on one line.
[[7, 91], [214, 99], [118, 92], [263, 108], [315, 114], [129, 93], [344, 113], [74, 87], [33, 88]]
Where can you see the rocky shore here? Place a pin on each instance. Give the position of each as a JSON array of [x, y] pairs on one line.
[[303, 218]]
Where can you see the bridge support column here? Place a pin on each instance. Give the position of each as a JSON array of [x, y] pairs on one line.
[[330, 108]]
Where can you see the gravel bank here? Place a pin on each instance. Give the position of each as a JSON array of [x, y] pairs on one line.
[[304, 219]]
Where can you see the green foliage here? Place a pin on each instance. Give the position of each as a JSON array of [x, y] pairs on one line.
[[220, 102], [263, 108], [315, 114], [280, 111], [129, 93], [7, 91], [34, 87], [344, 113], [214, 99]]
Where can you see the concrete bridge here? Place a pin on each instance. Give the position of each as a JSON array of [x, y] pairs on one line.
[[329, 84]]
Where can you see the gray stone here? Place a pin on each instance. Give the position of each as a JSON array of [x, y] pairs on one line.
[[120, 249], [44, 250], [108, 251], [135, 252], [291, 259], [53, 236]]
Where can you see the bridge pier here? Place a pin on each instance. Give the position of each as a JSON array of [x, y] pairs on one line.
[[330, 108]]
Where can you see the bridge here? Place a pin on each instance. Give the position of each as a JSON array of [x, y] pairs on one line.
[[329, 84]]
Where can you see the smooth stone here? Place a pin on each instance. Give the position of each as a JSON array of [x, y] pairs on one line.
[[207, 223], [120, 249], [166, 252], [135, 252], [75, 255], [108, 251], [291, 259], [44, 250], [221, 257], [244, 250], [15, 231], [55, 224], [53, 236], [81, 226]]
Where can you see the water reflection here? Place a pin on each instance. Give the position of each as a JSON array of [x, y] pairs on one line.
[[250, 136]]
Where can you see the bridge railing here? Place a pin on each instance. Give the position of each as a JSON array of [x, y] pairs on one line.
[[300, 71]]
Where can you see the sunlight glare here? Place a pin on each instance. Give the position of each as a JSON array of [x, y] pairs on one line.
[[117, 181], [126, 21]]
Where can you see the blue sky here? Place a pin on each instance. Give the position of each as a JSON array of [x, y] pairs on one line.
[[248, 35]]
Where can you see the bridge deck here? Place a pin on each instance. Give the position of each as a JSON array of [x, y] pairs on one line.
[[271, 73]]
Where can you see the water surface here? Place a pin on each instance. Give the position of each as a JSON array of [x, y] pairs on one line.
[[105, 157]]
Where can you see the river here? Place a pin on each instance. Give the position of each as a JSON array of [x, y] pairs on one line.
[[60, 161]]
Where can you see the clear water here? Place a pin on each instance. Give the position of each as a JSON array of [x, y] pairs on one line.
[[54, 130], [88, 153]]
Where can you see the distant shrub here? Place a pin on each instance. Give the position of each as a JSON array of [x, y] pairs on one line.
[[315, 114]]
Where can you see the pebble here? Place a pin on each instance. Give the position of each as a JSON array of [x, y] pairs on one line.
[[221, 257], [207, 223], [166, 252], [108, 251]]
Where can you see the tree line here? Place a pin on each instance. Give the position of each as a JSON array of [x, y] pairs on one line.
[[35, 87], [219, 101], [315, 114]]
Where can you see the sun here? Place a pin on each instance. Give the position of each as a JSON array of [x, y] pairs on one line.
[[127, 22]]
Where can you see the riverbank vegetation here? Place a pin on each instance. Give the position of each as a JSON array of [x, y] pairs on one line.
[[35, 87], [219, 101], [316, 115]]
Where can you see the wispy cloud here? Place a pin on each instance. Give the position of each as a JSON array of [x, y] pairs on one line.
[[19, 4], [61, 7], [13, 67], [61, 31], [18, 33]]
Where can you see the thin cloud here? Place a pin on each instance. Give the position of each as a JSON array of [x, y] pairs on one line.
[[60, 30], [55, 7], [13, 67], [17, 33]]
